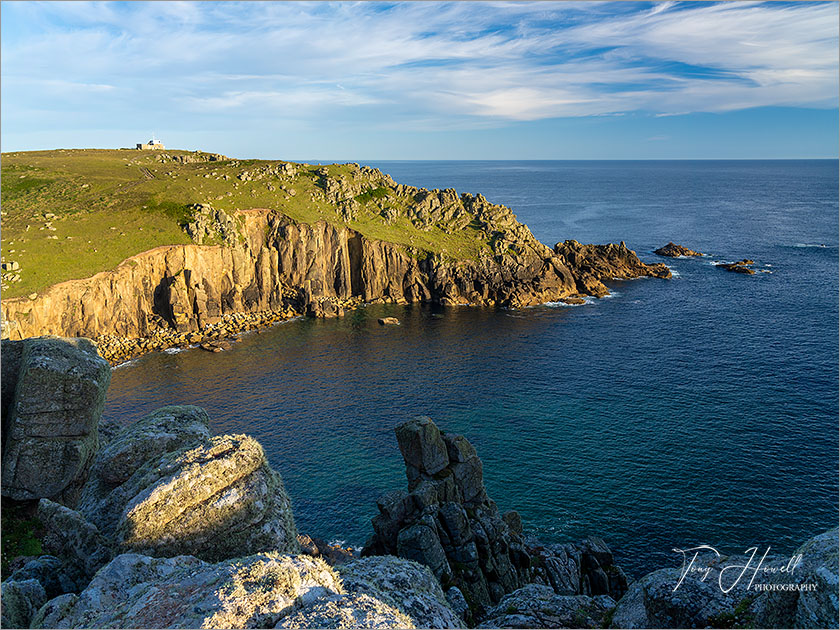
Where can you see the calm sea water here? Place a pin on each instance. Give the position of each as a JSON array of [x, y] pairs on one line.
[[702, 409]]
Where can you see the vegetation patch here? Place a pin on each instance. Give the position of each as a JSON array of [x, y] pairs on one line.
[[20, 532]]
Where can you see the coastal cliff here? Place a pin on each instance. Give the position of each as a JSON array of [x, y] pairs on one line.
[[437, 247]]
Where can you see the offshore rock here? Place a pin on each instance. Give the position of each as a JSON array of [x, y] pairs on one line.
[[535, 606], [672, 250], [447, 522], [215, 499], [739, 266], [593, 264], [53, 395]]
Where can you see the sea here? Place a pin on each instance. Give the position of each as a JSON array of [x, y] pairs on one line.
[[697, 410]]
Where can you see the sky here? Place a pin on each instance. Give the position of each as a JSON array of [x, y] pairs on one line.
[[425, 80]]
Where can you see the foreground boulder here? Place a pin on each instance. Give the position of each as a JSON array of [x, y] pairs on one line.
[[20, 599], [804, 596], [405, 585], [672, 250], [536, 606], [53, 395], [447, 522], [260, 591], [816, 605], [215, 499]]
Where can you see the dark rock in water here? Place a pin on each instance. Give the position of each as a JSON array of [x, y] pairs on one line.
[[53, 395], [384, 321], [672, 250], [740, 266], [447, 522], [332, 554], [573, 300]]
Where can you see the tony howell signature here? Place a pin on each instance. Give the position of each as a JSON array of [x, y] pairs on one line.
[[736, 570]]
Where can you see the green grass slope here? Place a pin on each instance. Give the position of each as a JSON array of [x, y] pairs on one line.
[[70, 213]]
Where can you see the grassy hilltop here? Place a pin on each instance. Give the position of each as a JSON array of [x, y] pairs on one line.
[[70, 213]]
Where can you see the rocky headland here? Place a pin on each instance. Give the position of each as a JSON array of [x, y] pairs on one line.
[[162, 525], [249, 268]]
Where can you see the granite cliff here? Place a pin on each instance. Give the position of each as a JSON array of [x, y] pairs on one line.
[[384, 242]]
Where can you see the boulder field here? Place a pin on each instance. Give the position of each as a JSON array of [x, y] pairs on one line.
[[162, 525]]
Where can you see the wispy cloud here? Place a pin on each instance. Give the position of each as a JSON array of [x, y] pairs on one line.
[[477, 62]]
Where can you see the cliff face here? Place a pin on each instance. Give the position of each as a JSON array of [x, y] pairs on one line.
[[271, 261]]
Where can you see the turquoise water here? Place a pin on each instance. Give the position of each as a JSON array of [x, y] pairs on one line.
[[702, 409]]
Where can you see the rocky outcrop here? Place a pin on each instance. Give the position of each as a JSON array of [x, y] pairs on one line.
[[739, 266], [136, 591], [20, 600], [798, 591], [595, 264], [53, 395], [215, 499], [72, 539], [536, 606], [672, 250], [447, 522], [404, 585], [816, 604], [261, 591]]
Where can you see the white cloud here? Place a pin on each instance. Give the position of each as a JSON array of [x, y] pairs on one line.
[[429, 61]]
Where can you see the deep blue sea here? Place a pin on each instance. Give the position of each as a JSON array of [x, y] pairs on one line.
[[701, 409]]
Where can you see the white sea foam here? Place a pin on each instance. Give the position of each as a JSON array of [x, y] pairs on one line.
[[124, 364], [173, 350], [815, 245]]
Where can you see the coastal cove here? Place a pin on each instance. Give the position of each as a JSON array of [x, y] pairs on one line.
[[698, 410]]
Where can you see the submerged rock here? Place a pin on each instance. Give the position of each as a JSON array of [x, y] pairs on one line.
[[672, 250], [53, 395], [384, 321]]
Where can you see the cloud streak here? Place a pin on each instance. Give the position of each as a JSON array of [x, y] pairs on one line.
[[431, 63]]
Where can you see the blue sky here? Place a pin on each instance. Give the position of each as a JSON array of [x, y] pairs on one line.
[[425, 80]]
